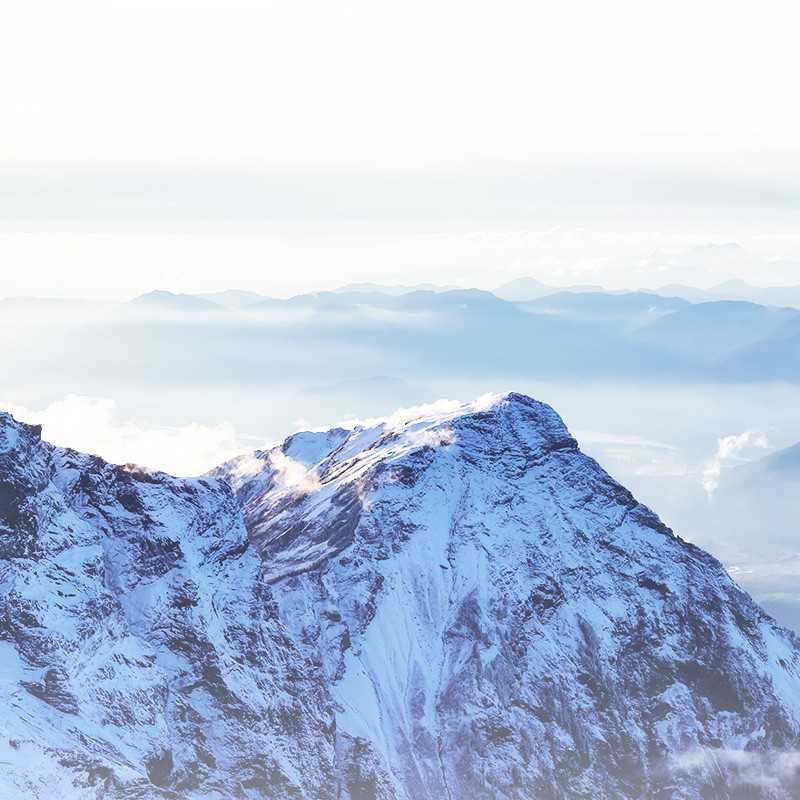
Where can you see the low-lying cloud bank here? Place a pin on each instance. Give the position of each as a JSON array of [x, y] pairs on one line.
[[93, 425]]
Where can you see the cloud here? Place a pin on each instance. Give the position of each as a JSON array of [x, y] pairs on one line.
[[291, 474], [246, 466], [769, 770], [729, 447], [93, 425]]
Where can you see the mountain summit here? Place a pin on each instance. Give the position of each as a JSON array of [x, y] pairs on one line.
[[455, 603]]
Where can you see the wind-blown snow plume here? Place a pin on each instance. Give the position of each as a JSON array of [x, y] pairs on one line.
[[403, 416], [291, 474], [431, 438], [729, 447]]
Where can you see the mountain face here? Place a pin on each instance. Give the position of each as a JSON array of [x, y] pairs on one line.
[[719, 332], [629, 311], [141, 655], [451, 605]]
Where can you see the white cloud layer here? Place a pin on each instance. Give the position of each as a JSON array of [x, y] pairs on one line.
[[552, 81], [93, 425]]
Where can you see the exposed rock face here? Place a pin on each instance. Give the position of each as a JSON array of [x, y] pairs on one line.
[[452, 606]]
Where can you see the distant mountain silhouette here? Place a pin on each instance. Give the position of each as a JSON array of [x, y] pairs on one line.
[[232, 298], [160, 300]]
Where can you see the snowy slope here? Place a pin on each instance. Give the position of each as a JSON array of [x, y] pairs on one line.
[[452, 604]]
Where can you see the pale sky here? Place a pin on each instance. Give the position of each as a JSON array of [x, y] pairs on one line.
[[287, 146], [416, 84]]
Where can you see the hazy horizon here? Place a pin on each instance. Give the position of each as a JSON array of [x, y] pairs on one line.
[[702, 265], [291, 148]]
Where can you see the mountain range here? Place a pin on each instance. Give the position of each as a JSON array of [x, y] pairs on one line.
[[453, 603], [326, 337]]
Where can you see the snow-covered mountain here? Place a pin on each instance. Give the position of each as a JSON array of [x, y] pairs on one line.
[[140, 651], [452, 604]]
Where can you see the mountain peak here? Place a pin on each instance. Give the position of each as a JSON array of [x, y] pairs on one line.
[[490, 405], [510, 418], [474, 554], [324, 483], [450, 602]]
